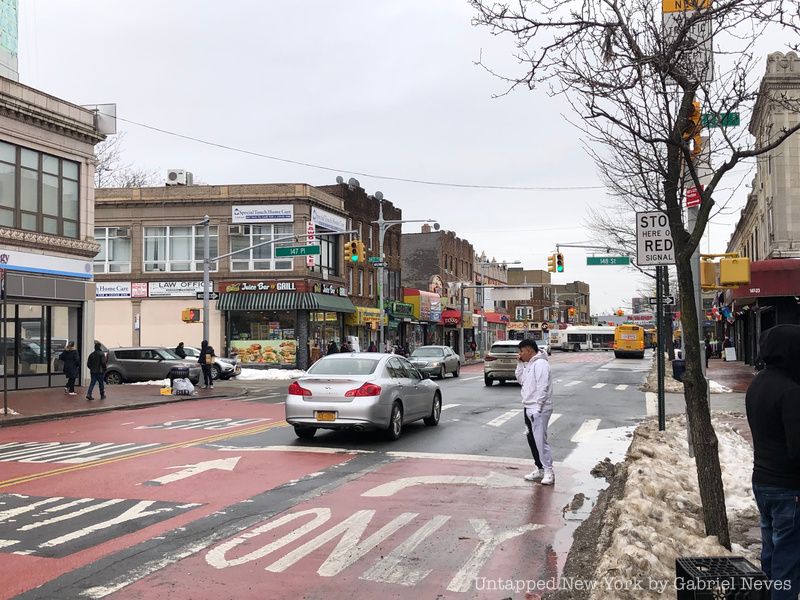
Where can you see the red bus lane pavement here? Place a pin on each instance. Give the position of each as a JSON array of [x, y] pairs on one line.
[[405, 527], [73, 492]]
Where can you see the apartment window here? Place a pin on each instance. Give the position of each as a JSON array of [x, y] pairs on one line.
[[260, 258], [330, 257], [177, 249], [520, 312], [349, 282], [115, 250], [360, 282], [38, 192], [371, 277], [369, 238]]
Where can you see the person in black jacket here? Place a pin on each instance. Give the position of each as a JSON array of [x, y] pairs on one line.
[[773, 412], [179, 351], [97, 363], [206, 359], [72, 366]]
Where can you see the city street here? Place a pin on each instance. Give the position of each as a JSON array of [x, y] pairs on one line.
[[219, 499]]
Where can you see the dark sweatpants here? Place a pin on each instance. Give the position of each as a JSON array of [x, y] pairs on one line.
[[531, 441]]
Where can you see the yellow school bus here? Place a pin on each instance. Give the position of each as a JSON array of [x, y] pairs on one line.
[[629, 341]]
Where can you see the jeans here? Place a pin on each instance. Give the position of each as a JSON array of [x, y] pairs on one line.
[[531, 441], [539, 422], [98, 378], [207, 379], [70, 384], [780, 537]]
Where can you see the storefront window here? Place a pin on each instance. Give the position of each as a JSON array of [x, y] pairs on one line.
[[323, 328], [31, 336], [264, 337]]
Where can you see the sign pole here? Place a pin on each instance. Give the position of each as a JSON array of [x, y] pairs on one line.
[[5, 338], [660, 346]]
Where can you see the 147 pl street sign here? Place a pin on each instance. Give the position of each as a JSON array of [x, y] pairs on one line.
[[654, 245], [296, 251]]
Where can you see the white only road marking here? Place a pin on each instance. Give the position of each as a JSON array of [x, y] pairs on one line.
[[571, 383], [465, 457], [446, 406], [586, 430], [494, 480], [20, 510], [471, 378], [222, 464], [312, 449], [553, 418], [621, 387], [506, 416], [6, 543], [602, 369], [597, 386], [651, 403]]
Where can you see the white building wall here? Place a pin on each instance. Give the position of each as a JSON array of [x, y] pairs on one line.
[[113, 323], [160, 324]]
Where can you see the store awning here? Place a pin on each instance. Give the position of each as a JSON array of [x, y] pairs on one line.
[[285, 301], [451, 317], [493, 317], [770, 278]]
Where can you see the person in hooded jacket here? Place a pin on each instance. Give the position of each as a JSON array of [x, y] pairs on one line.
[[773, 412], [72, 366], [533, 375]]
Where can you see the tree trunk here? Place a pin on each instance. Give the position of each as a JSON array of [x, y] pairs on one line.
[[703, 437]]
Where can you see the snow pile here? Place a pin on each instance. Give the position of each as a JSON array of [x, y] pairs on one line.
[[269, 374], [718, 388], [659, 518], [160, 382]]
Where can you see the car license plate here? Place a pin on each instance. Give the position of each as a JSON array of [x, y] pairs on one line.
[[325, 415]]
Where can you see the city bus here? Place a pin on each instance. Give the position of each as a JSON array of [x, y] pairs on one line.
[[583, 337], [629, 341]]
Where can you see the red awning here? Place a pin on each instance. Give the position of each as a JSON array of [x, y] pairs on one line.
[[451, 317], [771, 278], [493, 317]]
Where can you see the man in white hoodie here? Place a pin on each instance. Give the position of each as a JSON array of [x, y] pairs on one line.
[[533, 374]]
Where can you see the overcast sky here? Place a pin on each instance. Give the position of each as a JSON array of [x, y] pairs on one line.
[[385, 88]]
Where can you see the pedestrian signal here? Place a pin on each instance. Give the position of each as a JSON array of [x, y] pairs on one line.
[[190, 315]]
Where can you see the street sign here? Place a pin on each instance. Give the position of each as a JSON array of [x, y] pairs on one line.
[[668, 300], [608, 260], [696, 53], [380, 264], [729, 119], [668, 6], [694, 196], [374, 259], [297, 251], [211, 295], [653, 239]]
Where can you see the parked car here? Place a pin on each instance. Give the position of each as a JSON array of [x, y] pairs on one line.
[[501, 362], [544, 345], [223, 368], [148, 363], [436, 360], [362, 391]]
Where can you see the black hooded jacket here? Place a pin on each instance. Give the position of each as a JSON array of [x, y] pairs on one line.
[[773, 409]]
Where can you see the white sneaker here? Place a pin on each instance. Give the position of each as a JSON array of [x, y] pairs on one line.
[[72, 394], [549, 478], [535, 475]]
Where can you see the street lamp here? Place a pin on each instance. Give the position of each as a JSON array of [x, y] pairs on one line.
[[483, 298], [383, 225]]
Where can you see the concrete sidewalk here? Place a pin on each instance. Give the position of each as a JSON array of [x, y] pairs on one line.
[[26, 406]]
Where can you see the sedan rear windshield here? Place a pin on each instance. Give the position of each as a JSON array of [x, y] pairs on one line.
[[505, 349], [423, 352], [344, 366]]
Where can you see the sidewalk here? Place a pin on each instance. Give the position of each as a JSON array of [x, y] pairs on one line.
[[26, 406], [734, 375]]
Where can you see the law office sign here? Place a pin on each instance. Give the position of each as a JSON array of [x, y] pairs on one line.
[[175, 289]]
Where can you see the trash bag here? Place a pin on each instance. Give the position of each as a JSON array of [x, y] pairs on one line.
[[182, 387]]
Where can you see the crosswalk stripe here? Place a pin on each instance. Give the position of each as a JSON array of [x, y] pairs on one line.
[[571, 383], [586, 430], [553, 418], [621, 387], [597, 386], [504, 417], [446, 406]]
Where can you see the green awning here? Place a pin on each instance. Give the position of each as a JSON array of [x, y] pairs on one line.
[[284, 301]]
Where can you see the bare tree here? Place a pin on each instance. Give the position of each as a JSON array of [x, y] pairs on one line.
[[632, 81], [111, 171]]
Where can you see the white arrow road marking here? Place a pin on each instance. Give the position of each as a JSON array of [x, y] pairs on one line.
[[496, 480], [501, 420], [586, 430], [621, 387], [597, 386], [571, 383], [224, 464]]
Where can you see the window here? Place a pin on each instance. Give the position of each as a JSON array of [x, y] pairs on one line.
[[371, 277], [176, 249], [369, 237], [349, 282], [261, 258], [360, 282], [115, 250], [520, 313], [330, 256], [38, 192]]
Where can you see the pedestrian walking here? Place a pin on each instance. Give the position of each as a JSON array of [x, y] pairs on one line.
[[72, 366], [372, 347], [533, 374], [97, 363], [345, 347], [773, 412], [206, 359], [708, 350], [179, 351], [333, 348]]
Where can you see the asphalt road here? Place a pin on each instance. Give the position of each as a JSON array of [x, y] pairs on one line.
[[219, 499]]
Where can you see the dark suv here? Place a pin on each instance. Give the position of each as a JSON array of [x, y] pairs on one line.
[[146, 363]]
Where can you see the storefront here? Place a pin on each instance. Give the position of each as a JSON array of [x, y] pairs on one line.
[[363, 324], [400, 315], [48, 301], [281, 323], [426, 328]]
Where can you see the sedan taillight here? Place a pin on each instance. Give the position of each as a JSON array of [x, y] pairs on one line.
[[490, 358], [295, 389], [368, 389]]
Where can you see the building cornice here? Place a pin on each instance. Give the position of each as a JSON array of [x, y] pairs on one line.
[[41, 241]]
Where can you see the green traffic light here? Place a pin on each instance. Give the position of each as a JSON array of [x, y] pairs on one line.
[[560, 268], [354, 258]]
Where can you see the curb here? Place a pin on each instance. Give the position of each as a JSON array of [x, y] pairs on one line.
[[26, 419]]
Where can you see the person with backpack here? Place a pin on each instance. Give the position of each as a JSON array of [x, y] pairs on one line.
[[72, 364], [206, 359], [97, 363]]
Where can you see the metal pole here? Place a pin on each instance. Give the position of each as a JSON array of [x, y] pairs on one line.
[[461, 326], [484, 329], [381, 232], [206, 275], [660, 348], [5, 337]]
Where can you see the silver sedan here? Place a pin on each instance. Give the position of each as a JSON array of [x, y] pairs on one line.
[[436, 360], [362, 391]]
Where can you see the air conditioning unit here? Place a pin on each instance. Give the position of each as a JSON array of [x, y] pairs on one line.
[[179, 177], [123, 232], [236, 230]]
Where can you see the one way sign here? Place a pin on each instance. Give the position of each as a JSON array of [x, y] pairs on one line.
[[668, 300], [211, 295]]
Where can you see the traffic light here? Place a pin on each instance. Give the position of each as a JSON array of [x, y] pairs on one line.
[[571, 311], [551, 263], [190, 315], [351, 251], [559, 263], [694, 128], [362, 252]]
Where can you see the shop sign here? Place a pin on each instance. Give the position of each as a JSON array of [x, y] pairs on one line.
[[330, 289], [435, 285], [262, 213], [13, 260], [139, 290], [363, 316], [401, 309], [175, 289], [234, 287], [327, 220], [269, 352], [113, 289]]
